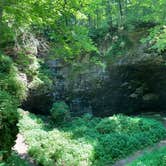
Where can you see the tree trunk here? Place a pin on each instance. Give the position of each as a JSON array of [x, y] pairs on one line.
[[65, 13], [120, 10], [97, 18], [89, 21], [1, 27], [1, 12], [1, 9], [108, 12]]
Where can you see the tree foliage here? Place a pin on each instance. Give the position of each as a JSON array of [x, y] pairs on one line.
[[66, 23]]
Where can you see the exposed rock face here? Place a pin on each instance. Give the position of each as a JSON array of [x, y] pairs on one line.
[[77, 85], [132, 88], [135, 83]]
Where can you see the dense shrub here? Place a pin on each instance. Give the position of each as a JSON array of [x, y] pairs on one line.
[[86, 141], [154, 158], [60, 112], [120, 123], [12, 92], [10, 80], [8, 121], [156, 39], [28, 64], [6, 64], [14, 86], [53, 146], [14, 160], [122, 135]]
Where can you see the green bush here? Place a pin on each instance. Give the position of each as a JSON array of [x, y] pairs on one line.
[[9, 79], [8, 121], [120, 123], [154, 158], [53, 146], [28, 64], [13, 85], [121, 135], [83, 141], [6, 64], [156, 39], [12, 92], [14, 160], [60, 112], [113, 147]]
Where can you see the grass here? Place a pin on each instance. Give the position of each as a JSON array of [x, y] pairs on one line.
[[155, 158], [86, 141], [14, 160]]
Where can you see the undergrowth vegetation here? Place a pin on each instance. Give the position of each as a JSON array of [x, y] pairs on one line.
[[9, 78], [8, 118], [155, 158], [14, 160], [86, 140], [60, 112], [156, 39], [12, 92]]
